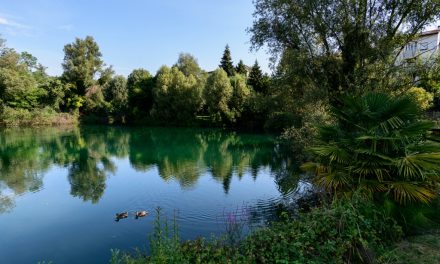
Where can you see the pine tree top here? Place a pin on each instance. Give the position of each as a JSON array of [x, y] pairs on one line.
[[241, 68]]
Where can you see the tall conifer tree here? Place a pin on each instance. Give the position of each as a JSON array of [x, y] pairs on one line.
[[256, 77], [241, 68], [226, 62]]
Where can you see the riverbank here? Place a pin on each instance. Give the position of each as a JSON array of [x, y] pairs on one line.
[[345, 231]]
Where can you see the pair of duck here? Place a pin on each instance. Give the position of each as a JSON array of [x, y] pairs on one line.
[[137, 214]]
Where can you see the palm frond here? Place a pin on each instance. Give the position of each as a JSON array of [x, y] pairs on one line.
[[333, 181], [407, 192], [333, 153]]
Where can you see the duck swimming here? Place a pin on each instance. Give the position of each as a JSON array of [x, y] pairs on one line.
[[120, 216], [140, 214]]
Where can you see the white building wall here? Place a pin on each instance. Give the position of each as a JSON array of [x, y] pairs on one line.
[[425, 47]]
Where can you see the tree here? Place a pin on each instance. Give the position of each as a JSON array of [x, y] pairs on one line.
[[18, 86], [346, 46], [188, 65], [378, 145], [140, 86], [241, 94], [55, 93], [116, 93], [94, 101], [106, 75], [218, 93], [18, 89], [226, 62], [256, 78], [82, 60], [177, 97], [241, 68]]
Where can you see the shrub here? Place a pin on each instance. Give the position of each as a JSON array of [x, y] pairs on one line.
[[347, 231], [423, 98], [378, 144], [36, 117]]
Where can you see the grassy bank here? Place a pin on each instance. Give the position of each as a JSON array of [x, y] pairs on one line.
[[421, 249]]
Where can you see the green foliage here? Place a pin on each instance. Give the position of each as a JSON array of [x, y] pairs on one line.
[[177, 98], [36, 117], [19, 89], [241, 68], [165, 241], [55, 91], [348, 231], [140, 86], [226, 62], [423, 98], [421, 249], [378, 145], [188, 65], [298, 138], [106, 76], [344, 46], [256, 78], [240, 96], [278, 121], [82, 60], [218, 93], [116, 93], [94, 102]]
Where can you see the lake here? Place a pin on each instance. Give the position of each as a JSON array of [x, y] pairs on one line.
[[61, 187]]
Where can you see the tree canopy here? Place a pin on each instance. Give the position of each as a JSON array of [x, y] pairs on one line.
[[341, 44], [82, 61]]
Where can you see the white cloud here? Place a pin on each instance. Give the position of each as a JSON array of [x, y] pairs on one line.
[[10, 23]]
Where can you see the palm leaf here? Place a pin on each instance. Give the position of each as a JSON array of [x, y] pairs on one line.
[[333, 181], [407, 192]]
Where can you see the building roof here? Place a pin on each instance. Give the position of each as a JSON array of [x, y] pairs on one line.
[[430, 32]]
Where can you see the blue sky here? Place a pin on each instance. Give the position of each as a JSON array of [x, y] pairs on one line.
[[132, 33]]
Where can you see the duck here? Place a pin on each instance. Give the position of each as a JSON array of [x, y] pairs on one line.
[[121, 215], [140, 214]]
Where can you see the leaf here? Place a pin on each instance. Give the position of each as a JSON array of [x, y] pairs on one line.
[[405, 192]]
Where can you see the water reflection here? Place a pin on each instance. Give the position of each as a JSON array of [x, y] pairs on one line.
[[89, 155]]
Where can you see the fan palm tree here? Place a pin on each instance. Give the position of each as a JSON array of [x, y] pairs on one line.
[[378, 144]]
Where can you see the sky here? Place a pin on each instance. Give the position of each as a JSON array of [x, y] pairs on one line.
[[132, 33]]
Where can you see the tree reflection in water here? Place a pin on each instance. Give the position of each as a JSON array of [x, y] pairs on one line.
[[181, 155]]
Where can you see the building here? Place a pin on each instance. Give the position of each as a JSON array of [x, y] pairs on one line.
[[425, 47]]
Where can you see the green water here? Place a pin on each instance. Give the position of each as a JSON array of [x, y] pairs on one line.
[[61, 187]]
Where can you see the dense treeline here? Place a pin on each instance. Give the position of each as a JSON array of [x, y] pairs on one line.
[[183, 94]]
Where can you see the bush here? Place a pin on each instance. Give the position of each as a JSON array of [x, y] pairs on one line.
[[279, 121], [378, 144], [348, 231], [423, 98], [37, 117]]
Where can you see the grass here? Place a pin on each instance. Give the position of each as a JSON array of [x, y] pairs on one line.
[[419, 249]]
